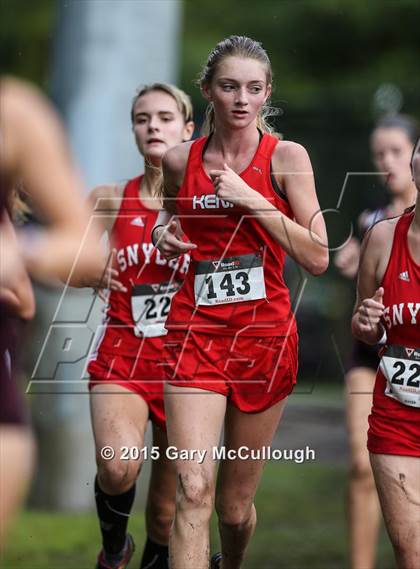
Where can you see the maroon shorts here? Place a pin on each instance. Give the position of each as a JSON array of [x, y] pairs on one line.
[[13, 409], [144, 377], [254, 373]]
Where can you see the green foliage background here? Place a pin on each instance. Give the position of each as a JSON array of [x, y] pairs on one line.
[[329, 58]]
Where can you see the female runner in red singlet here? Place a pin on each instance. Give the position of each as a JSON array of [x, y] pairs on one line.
[[126, 376], [244, 199], [388, 306], [392, 143]]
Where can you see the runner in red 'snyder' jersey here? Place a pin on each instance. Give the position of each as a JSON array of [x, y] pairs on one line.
[[126, 372], [147, 275], [388, 306], [395, 426], [391, 143]]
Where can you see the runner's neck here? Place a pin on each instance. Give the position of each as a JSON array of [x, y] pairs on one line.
[[232, 143]]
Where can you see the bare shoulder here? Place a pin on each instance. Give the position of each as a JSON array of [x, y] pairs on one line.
[[21, 106], [31, 127], [381, 232], [16, 93], [174, 164], [23, 102], [288, 153], [106, 198], [377, 246], [176, 158]]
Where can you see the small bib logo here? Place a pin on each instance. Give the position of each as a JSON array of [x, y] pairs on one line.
[[137, 221], [404, 276]]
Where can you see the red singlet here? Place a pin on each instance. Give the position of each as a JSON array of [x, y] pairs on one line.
[[231, 328], [130, 354], [394, 427], [235, 283]]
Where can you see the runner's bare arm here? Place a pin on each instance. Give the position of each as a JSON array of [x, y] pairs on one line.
[[35, 150], [305, 239], [168, 237], [366, 325], [104, 203], [347, 258]]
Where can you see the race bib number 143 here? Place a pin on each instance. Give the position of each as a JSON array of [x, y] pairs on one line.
[[401, 368], [233, 279]]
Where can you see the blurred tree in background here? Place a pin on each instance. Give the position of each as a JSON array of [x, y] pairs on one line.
[[337, 65], [330, 58]]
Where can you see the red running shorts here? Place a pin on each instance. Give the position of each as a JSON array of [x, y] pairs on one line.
[[144, 377], [253, 373]]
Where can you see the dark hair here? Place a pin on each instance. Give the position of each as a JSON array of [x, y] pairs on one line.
[[406, 123], [239, 46], [416, 144]]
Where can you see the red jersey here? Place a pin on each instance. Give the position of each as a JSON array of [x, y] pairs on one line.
[[235, 282], [396, 393], [151, 281], [401, 283]]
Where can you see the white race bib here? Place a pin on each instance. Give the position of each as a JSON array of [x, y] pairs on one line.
[[234, 279], [401, 368], [150, 304]]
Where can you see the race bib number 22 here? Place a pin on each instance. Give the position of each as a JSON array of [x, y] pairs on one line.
[[150, 304], [401, 368]]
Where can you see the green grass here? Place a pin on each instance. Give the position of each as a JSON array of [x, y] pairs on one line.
[[302, 520], [301, 525]]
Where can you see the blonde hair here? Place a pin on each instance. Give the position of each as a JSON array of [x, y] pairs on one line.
[[247, 48], [17, 206], [183, 101], [185, 107]]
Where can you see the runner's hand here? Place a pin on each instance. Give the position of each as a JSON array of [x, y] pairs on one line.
[[107, 279], [230, 187], [370, 312], [169, 244]]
